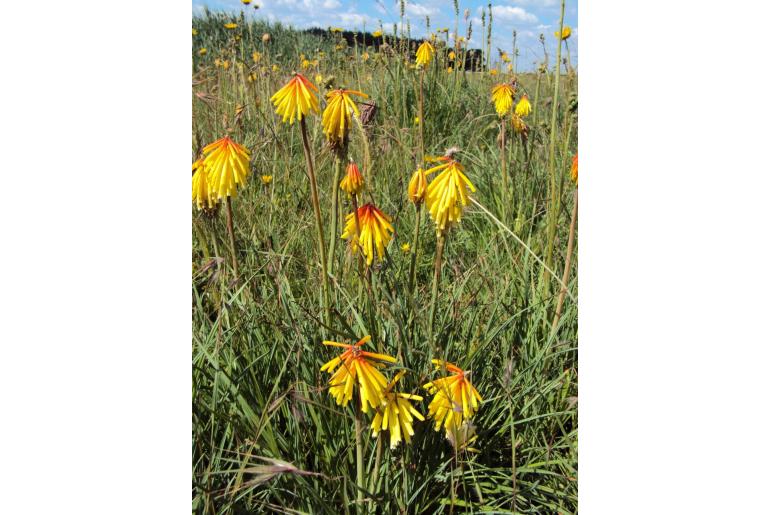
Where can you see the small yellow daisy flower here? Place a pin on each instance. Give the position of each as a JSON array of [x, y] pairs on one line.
[[405, 247], [267, 179]]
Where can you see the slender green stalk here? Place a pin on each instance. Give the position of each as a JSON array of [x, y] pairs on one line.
[[334, 212], [231, 234], [318, 220], [415, 245], [422, 119], [436, 280], [567, 262], [553, 214], [537, 97], [503, 171], [360, 485]]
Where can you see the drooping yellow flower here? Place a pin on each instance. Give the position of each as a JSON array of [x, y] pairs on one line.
[[377, 34], [227, 165], [200, 187], [397, 414], [518, 124], [454, 397], [295, 99], [357, 366], [566, 32], [337, 115], [573, 172], [267, 179], [523, 108], [447, 194], [353, 182], [452, 55], [417, 185], [231, 25], [502, 96], [425, 53], [376, 231]]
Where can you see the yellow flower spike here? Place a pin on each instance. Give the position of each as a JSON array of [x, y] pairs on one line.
[[227, 165], [566, 32], [295, 100], [396, 415], [425, 53], [376, 231], [573, 172], [448, 193], [502, 97], [200, 187], [357, 367], [454, 397], [523, 108], [353, 182], [417, 186], [337, 116]]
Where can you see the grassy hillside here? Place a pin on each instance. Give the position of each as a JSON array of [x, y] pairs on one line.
[[267, 436]]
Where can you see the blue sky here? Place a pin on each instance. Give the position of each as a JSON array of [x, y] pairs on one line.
[[529, 18]]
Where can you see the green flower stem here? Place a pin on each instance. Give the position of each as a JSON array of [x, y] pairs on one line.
[[231, 234], [319, 222], [334, 213], [553, 214], [436, 279], [359, 461]]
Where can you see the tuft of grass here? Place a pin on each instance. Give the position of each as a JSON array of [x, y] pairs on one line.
[[266, 436]]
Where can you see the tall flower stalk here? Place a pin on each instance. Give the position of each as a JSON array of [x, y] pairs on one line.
[[553, 215], [294, 101], [570, 246]]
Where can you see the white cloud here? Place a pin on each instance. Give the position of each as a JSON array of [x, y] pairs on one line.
[[331, 4], [508, 13], [420, 9]]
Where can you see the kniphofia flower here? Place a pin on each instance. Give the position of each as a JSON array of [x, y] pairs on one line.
[[566, 32], [448, 193], [227, 166], [417, 185], [454, 397], [376, 231], [357, 366], [573, 172], [502, 96], [353, 182], [518, 124], [200, 187], [523, 108], [337, 115], [425, 53], [295, 99], [397, 414]]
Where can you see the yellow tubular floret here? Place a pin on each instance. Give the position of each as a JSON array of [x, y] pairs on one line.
[[295, 100], [227, 167]]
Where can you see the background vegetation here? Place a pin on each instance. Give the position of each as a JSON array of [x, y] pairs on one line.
[[266, 435]]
